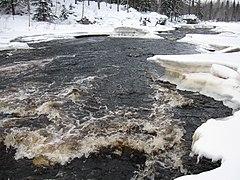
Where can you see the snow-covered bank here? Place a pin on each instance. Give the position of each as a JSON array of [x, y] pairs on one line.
[[41, 31], [218, 140], [229, 37], [217, 75], [105, 20]]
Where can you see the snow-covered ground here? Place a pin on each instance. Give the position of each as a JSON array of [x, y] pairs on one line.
[[216, 74], [105, 21]]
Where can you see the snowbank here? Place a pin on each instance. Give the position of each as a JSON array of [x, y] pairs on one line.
[[214, 74], [218, 140], [41, 31], [228, 38], [217, 75], [103, 22]]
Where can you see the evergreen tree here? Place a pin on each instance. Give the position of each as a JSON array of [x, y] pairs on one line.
[[233, 16], [189, 6], [64, 13], [210, 10], [216, 9], [170, 8], [238, 12], [227, 11], [118, 3], [13, 7], [199, 12], [98, 1], [8, 6], [193, 7], [4, 6], [221, 12], [71, 7], [43, 11]]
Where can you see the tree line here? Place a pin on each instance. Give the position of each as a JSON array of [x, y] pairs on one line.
[[220, 10]]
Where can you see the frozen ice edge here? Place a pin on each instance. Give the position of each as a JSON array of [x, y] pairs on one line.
[[216, 75], [21, 42]]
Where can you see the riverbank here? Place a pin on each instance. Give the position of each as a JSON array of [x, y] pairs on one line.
[[17, 31], [102, 21], [215, 73]]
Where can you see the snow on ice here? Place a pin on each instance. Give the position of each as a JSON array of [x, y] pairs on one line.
[[105, 20], [217, 75]]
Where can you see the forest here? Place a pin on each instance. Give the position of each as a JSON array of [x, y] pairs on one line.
[[224, 10]]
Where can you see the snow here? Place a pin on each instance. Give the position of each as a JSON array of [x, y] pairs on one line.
[[218, 140], [40, 31], [104, 22], [228, 38], [215, 74], [189, 16]]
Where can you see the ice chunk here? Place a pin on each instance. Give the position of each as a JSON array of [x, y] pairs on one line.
[[223, 72], [218, 140]]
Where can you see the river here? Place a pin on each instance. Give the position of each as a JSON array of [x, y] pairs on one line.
[[94, 108]]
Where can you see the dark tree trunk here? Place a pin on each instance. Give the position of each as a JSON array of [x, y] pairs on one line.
[[29, 13], [210, 10], [99, 4], [118, 5], [13, 7]]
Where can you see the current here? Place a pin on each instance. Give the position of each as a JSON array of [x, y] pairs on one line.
[[95, 108]]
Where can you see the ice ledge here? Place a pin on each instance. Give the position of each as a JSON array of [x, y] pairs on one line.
[[216, 75], [218, 140]]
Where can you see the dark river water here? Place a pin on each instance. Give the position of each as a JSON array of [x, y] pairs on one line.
[[94, 108]]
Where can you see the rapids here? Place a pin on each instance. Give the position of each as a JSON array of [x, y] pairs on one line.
[[95, 108]]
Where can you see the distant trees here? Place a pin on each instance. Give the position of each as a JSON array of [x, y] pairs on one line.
[[210, 10], [43, 11], [64, 13], [220, 10], [12, 6], [8, 6], [170, 8]]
